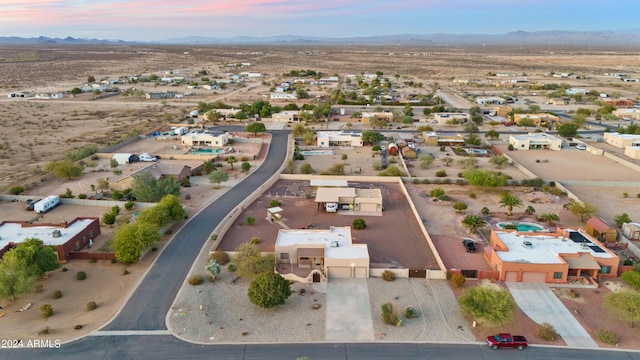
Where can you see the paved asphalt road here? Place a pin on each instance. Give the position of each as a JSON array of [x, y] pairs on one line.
[[150, 302]]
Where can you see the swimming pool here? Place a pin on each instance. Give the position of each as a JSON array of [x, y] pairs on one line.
[[316, 152], [523, 227], [477, 151], [206, 151]]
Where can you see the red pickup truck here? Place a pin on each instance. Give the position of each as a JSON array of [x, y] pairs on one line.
[[499, 341]]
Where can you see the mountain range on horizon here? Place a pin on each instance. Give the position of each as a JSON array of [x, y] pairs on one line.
[[620, 38]]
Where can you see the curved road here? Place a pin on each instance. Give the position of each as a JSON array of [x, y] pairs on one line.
[[139, 330]]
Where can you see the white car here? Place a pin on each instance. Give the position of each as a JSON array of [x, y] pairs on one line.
[[331, 207], [147, 158], [581, 147]]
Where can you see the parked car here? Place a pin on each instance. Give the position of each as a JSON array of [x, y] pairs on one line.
[[499, 341], [581, 147], [469, 244], [31, 204], [147, 158]]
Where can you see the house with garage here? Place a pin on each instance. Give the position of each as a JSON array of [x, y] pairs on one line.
[[209, 138], [567, 255], [432, 138], [65, 237], [350, 199], [370, 117], [327, 139], [621, 141], [450, 118], [314, 255], [286, 116], [631, 231], [490, 100], [541, 119], [535, 141]]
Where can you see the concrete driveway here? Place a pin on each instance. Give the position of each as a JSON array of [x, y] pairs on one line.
[[348, 311], [542, 305]]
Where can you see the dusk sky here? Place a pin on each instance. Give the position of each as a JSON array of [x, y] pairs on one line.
[[146, 20]]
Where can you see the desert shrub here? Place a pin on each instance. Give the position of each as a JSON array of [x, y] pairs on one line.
[[117, 195], [436, 192], [81, 275], [511, 148], [546, 331], [17, 190], [607, 336], [125, 272], [472, 195], [416, 181], [39, 288], [91, 305], [410, 312], [458, 279], [625, 195], [390, 314], [376, 148], [573, 294], [232, 267], [47, 310], [109, 218], [44, 331], [57, 294], [627, 262], [250, 220], [93, 260], [196, 279], [344, 157], [64, 269], [82, 196], [359, 224], [255, 240], [274, 203], [222, 257], [388, 275], [129, 204], [441, 173], [426, 181], [444, 197]]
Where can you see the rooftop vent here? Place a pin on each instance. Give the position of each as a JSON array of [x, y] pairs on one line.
[[527, 244], [334, 243]]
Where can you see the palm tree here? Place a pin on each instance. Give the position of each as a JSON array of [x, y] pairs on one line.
[[472, 222], [509, 201], [549, 218], [231, 160], [530, 210]]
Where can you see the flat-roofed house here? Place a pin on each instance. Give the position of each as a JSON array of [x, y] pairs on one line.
[[552, 257], [313, 255], [534, 141]]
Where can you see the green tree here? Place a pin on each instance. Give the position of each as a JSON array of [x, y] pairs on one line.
[[425, 161], [550, 218], [249, 260], [492, 134], [245, 166], [308, 136], [468, 163], [530, 210], [496, 307], [579, 120], [64, 169], [16, 276], [471, 128], [472, 223], [568, 130], [336, 169], [256, 127], [131, 240], [268, 290], [526, 122], [499, 161], [109, 218], [306, 168], [298, 130], [218, 177], [231, 160], [632, 278], [208, 167], [624, 304], [584, 209], [459, 206], [212, 269], [91, 79], [447, 161], [146, 188], [371, 137], [509, 201], [359, 224], [622, 219], [76, 91], [34, 253], [484, 178]]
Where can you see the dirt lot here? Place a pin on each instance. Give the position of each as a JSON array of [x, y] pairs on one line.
[[382, 234]]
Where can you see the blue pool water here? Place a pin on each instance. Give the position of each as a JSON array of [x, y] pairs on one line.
[[524, 227], [206, 151]]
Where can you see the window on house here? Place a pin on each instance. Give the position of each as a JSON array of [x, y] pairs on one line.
[[284, 256], [557, 275], [605, 269]]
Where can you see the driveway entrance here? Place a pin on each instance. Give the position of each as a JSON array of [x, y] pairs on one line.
[[542, 305], [348, 311]]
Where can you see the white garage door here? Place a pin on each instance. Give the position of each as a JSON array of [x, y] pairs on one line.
[[534, 277], [339, 272], [361, 272], [511, 276], [368, 207]]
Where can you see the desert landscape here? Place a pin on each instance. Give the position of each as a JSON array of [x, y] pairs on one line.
[[38, 131]]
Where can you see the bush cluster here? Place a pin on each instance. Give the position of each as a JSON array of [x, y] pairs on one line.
[[546, 331], [81, 275], [196, 279], [388, 275], [47, 310], [607, 336], [222, 257], [458, 279], [410, 312], [390, 314], [56, 294], [91, 305]]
